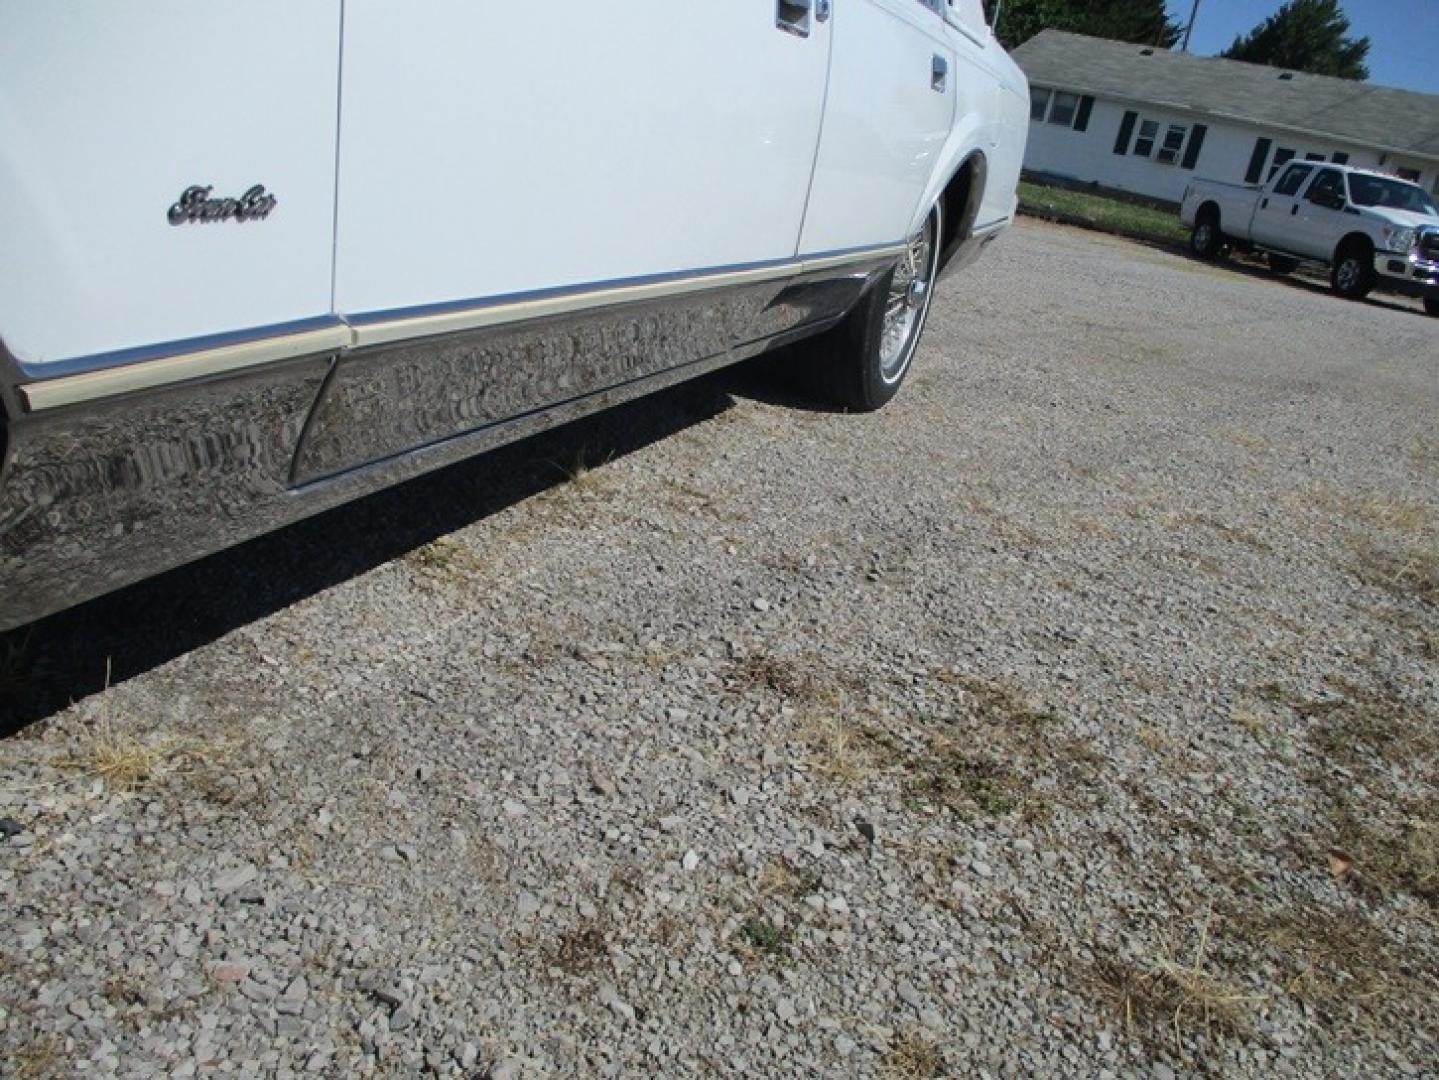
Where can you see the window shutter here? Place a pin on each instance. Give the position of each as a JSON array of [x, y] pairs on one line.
[[1126, 130], [1196, 140], [1081, 122], [1257, 160]]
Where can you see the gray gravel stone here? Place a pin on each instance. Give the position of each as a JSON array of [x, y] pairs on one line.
[[1072, 664]]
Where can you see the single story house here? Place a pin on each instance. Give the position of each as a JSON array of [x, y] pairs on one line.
[[1145, 120]]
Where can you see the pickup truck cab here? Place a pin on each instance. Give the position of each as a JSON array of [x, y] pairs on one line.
[[1367, 227]]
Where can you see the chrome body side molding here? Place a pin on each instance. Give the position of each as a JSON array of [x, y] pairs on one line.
[[97, 491], [109, 376]]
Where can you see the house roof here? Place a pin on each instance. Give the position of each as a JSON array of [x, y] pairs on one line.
[[1399, 121]]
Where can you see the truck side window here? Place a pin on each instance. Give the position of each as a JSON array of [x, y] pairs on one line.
[[1293, 177], [1327, 183]]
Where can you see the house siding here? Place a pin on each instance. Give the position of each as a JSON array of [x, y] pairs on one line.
[[1089, 156]]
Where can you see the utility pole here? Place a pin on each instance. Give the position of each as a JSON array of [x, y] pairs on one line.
[[1189, 29]]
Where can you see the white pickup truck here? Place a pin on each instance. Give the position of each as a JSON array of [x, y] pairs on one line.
[[1367, 227]]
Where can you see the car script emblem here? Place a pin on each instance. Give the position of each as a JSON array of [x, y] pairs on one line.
[[195, 204]]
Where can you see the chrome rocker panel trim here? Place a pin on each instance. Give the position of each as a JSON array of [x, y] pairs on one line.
[[115, 475]]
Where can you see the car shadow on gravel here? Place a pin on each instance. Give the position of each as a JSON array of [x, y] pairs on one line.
[[1311, 283], [51, 663]]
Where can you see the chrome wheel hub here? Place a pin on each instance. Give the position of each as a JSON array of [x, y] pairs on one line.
[[905, 304], [1348, 274]]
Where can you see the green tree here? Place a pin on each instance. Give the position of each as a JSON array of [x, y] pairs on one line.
[[1143, 22], [1305, 35]]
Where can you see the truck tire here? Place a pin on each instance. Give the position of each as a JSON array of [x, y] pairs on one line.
[[1431, 305], [1282, 264], [1352, 275], [1206, 240]]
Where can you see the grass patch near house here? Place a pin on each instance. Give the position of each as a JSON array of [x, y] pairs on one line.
[[1101, 213]]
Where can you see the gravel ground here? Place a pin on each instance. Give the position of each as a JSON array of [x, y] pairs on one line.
[[1076, 714]]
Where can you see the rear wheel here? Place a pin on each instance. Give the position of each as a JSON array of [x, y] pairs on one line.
[[861, 363], [1206, 240], [1353, 274], [1431, 305], [1282, 264]]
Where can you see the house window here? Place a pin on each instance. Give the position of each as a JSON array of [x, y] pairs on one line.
[[1280, 157], [1148, 132], [1173, 143], [1313, 157], [1064, 107], [1340, 158], [1412, 175], [1038, 103]]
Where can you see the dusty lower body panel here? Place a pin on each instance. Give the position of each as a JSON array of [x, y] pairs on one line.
[[97, 496]]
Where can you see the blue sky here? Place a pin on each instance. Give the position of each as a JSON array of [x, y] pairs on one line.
[[1404, 34]]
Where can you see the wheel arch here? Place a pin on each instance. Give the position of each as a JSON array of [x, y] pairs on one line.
[[959, 203], [1354, 241], [1209, 209]]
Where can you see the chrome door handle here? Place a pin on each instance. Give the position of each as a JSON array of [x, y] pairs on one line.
[[939, 74], [793, 16]]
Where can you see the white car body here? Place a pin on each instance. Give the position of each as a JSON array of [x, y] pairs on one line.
[[1288, 216], [409, 184]]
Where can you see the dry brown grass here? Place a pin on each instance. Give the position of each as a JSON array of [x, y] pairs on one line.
[[801, 679], [1160, 998], [1408, 570], [1374, 774], [1342, 966], [443, 559], [1191, 519], [963, 780], [40, 1057], [581, 949], [913, 1056], [836, 750], [126, 762], [995, 702], [779, 880], [582, 474]]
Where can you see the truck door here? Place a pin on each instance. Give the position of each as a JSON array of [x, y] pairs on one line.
[[109, 115], [1320, 222], [1275, 218], [892, 97], [494, 149]]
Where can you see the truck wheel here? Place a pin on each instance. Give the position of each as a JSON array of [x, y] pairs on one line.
[[1282, 264], [1431, 305], [1353, 273], [1206, 240], [860, 364]]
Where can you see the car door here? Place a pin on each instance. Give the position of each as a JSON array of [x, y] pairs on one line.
[[1319, 222], [1275, 217], [892, 98], [109, 114], [495, 149]]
